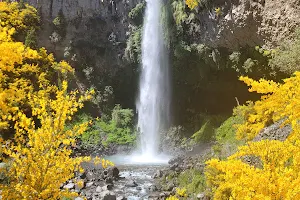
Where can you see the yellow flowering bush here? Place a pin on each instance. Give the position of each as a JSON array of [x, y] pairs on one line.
[[277, 176], [22, 71], [35, 110], [279, 101], [22, 17], [40, 152]]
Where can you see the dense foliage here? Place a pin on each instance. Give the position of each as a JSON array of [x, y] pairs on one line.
[[119, 129], [278, 165], [34, 109], [286, 57]]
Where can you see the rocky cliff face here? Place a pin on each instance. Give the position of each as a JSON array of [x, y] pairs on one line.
[[243, 23], [108, 18], [94, 34], [203, 43], [240, 23]]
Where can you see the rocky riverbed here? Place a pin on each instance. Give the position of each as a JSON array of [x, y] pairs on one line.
[[136, 181], [123, 182]]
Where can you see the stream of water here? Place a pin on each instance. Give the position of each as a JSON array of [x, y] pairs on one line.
[[139, 171], [154, 91], [153, 110]]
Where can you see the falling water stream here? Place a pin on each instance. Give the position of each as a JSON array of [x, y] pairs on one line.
[[153, 101], [152, 106]]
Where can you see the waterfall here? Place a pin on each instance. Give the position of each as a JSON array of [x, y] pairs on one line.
[[154, 99]]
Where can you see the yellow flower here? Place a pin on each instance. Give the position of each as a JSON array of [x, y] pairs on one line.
[[192, 3]]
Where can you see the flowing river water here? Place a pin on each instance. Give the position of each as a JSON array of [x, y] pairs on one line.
[[140, 173]]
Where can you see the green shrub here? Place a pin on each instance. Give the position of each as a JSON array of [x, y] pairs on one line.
[[226, 134], [31, 39], [249, 64], [193, 180], [120, 129], [137, 13], [114, 135], [205, 133], [179, 14], [133, 51], [91, 137], [122, 117], [287, 58], [207, 130]]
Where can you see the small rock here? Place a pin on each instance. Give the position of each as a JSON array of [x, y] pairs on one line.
[[113, 172], [200, 196], [108, 195], [109, 180], [88, 194], [90, 175], [170, 187], [139, 188], [105, 172], [177, 169], [99, 189], [77, 190], [158, 174], [82, 175], [89, 184], [108, 187], [121, 198], [174, 190], [69, 186], [78, 198], [173, 167], [153, 188], [175, 160], [167, 194], [162, 195], [131, 183]]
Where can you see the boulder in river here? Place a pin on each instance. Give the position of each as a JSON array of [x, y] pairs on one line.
[[131, 183], [98, 189], [152, 188], [109, 180], [121, 198], [113, 172], [108, 195]]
